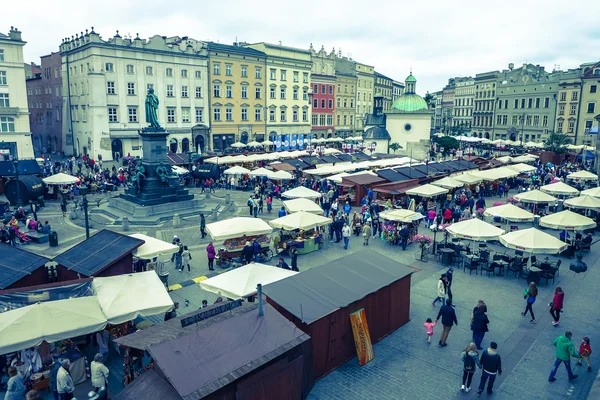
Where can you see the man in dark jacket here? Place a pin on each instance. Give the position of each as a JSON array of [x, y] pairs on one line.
[[248, 253], [479, 326], [491, 365], [448, 320], [404, 234]]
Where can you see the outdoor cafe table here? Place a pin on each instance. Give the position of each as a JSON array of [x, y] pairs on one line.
[[501, 265], [446, 255]]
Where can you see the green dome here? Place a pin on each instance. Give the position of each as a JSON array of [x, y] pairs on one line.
[[409, 103], [411, 78]]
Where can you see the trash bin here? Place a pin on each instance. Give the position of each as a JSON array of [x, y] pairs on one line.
[[53, 239]]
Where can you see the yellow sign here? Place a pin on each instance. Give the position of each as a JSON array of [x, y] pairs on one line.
[[362, 337]]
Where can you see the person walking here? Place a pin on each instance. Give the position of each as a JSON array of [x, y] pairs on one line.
[[585, 350], [54, 367], [366, 231], [255, 250], [64, 382], [470, 359], [15, 387], [404, 234], [441, 291], [203, 225], [294, 258], [269, 201], [479, 326], [564, 351], [211, 254], [185, 258], [346, 232], [530, 295], [99, 373], [429, 325], [449, 275], [557, 304], [491, 366], [251, 205], [448, 316], [247, 253], [178, 256]]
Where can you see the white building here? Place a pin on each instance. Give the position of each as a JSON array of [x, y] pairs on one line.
[[105, 85], [15, 133]]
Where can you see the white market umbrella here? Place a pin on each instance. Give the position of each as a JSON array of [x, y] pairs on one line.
[[281, 175], [237, 170], [153, 247], [583, 175], [535, 197], [301, 191], [475, 229], [255, 144], [448, 182], [567, 220], [60, 179], [468, 178], [241, 282], [401, 215], [179, 170], [533, 241], [525, 158], [594, 192], [300, 220], [509, 212], [238, 144], [237, 227], [262, 172], [522, 167], [559, 188], [332, 151], [267, 143], [426, 191], [301, 204], [584, 202]]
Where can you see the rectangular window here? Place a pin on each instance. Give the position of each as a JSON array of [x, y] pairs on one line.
[[331, 89], [352, 120], [198, 92], [2, 78], [199, 115], [330, 104], [296, 77], [323, 89], [295, 93], [257, 114], [315, 103], [283, 115], [217, 114], [131, 88], [198, 74], [132, 114], [506, 103], [271, 115], [169, 72], [244, 71], [571, 126], [217, 71], [591, 107], [229, 91], [315, 89], [559, 126], [184, 73], [109, 67], [129, 69], [169, 90], [498, 119], [148, 70], [323, 103], [536, 120], [244, 92], [528, 120], [112, 114], [522, 103], [258, 93], [351, 103], [537, 102], [573, 109], [563, 96], [593, 88], [561, 109], [337, 117], [273, 73], [338, 102], [258, 74], [4, 102], [216, 91], [244, 114], [295, 116], [315, 120], [304, 94], [282, 93], [304, 115], [516, 103], [588, 125], [7, 124], [184, 91], [305, 77], [322, 118], [170, 115], [229, 114], [574, 96], [110, 87], [272, 92], [547, 102], [185, 115], [329, 119], [515, 119], [545, 120], [345, 102], [283, 74], [228, 69], [529, 103]]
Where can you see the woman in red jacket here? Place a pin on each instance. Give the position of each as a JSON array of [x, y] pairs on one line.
[[448, 216], [557, 304]]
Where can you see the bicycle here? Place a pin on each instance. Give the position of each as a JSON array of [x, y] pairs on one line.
[[423, 253]]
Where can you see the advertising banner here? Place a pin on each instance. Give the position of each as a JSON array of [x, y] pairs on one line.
[[301, 142], [278, 143], [294, 141], [286, 142], [362, 337]]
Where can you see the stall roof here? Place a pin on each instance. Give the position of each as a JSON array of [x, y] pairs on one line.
[[231, 349], [360, 156], [95, 254], [426, 170], [410, 172], [441, 167], [296, 163], [16, 264], [398, 187], [178, 159], [390, 175], [344, 157], [330, 159], [317, 292], [461, 165], [26, 167], [363, 179], [282, 166], [148, 386]]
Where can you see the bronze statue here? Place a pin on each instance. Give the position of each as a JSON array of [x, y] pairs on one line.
[[137, 178], [151, 109], [163, 173]]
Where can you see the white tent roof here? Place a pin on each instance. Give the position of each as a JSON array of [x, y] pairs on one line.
[[238, 144], [241, 282], [448, 182], [594, 192], [535, 196], [238, 227], [152, 247], [525, 158], [179, 170], [509, 212], [125, 297], [567, 220], [583, 201], [467, 178], [301, 191], [337, 178], [559, 188], [583, 175], [281, 174], [255, 144], [475, 229], [261, 172], [533, 241], [60, 179], [426, 191], [50, 321], [504, 159], [302, 204], [237, 170], [300, 220], [401, 215], [522, 167]]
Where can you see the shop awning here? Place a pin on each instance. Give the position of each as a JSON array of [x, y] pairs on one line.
[[300, 220], [426, 191], [153, 247], [238, 227], [301, 204], [301, 191]]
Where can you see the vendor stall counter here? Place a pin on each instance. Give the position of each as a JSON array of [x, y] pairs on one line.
[[305, 246]]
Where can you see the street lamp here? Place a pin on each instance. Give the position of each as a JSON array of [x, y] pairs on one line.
[[310, 149], [597, 118], [19, 200], [83, 190], [191, 178], [224, 139]]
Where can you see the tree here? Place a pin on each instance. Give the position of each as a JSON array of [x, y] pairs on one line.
[[395, 146], [428, 98], [447, 143], [557, 142]]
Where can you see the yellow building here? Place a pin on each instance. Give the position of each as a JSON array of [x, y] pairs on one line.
[[236, 77], [345, 97], [567, 111], [365, 75], [590, 103]]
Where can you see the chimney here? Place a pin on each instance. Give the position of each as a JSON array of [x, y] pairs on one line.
[[260, 299], [14, 34]]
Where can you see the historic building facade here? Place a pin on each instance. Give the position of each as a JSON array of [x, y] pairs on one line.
[[448, 105], [365, 81], [569, 98], [384, 88], [104, 87], [322, 79], [397, 90], [345, 98], [44, 96], [15, 133], [462, 113], [589, 104], [237, 95], [484, 104]]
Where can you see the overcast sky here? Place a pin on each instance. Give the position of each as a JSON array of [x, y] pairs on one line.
[[437, 39]]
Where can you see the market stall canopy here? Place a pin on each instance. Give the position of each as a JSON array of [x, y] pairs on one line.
[[533, 144], [475, 229], [300, 220], [496, 173], [281, 175], [401, 215], [238, 144], [583, 201], [267, 143], [594, 192], [525, 158], [535, 197], [583, 175], [467, 178], [238, 227], [123, 298], [153, 247], [255, 144], [60, 179], [301, 191], [237, 170], [504, 159], [261, 172], [179, 170], [50, 321], [301, 204], [522, 167], [426, 191], [241, 282], [448, 182], [509, 212], [568, 220], [533, 241], [559, 188]]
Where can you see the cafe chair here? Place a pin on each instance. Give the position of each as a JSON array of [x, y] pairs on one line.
[[515, 267], [549, 274], [488, 268], [471, 264], [519, 253], [484, 257], [556, 266]]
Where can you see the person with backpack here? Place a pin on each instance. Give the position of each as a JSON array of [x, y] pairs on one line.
[[470, 359], [530, 295], [491, 365]]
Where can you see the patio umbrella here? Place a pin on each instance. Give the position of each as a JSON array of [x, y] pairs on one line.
[[504, 159], [583, 175], [509, 212], [567, 220], [301, 191], [60, 179], [282, 175], [559, 188], [261, 172], [535, 197], [584, 201], [401, 215], [468, 178], [238, 144], [521, 167], [426, 191], [254, 144], [238, 227], [448, 182], [301, 204], [267, 143], [300, 220], [533, 241], [594, 192], [237, 170], [475, 229]]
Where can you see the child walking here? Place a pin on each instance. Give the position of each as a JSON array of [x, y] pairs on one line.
[[429, 329], [585, 351], [186, 257], [530, 295]]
